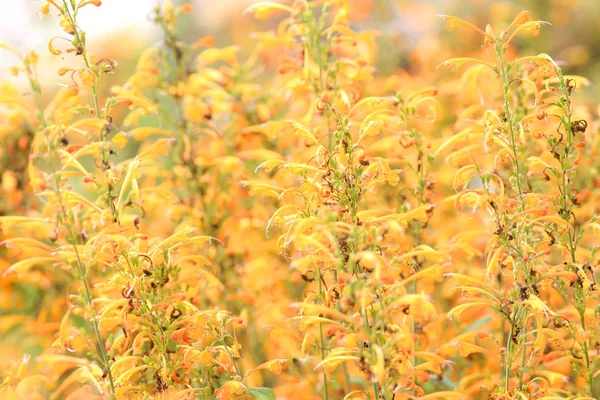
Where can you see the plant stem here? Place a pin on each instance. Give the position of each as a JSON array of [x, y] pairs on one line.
[[85, 57], [368, 328], [567, 207], [83, 277], [237, 371], [505, 82], [322, 346]]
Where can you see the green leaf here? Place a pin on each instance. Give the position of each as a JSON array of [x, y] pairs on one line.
[[261, 393]]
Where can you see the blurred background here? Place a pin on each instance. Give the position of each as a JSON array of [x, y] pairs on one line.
[[120, 29]]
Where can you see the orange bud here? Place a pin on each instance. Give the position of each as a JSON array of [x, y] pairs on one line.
[[186, 8], [63, 70], [541, 114], [483, 334], [206, 41], [45, 9], [72, 91], [23, 143]]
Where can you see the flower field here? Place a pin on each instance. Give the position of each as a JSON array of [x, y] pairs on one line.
[[304, 207]]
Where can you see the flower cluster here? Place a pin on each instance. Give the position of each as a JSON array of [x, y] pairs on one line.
[[283, 222]]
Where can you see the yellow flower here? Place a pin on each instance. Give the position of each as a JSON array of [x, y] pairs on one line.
[[87, 76]]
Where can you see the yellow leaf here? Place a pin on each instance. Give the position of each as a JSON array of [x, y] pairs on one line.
[[145, 132], [302, 131], [28, 245], [8, 47], [51, 47], [306, 321], [463, 135], [532, 27], [62, 343], [28, 263], [120, 140], [458, 310], [274, 366], [379, 367], [71, 198], [269, 166], [87, 76], [329, 364], [129, 372], [265, 9], [454, 22], [455, 63], [129, 176]]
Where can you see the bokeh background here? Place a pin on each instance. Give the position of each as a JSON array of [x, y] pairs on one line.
[[411, 37]]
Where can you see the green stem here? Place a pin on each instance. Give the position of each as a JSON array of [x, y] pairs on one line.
[[513, 144], [237, 371], [572, 243], [84, 54], [368, 328], [508, 353], [104, 154], [322, 346], [88, 295]]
